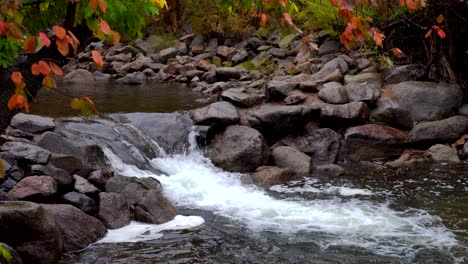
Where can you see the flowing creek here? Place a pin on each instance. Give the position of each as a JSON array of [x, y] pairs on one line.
[[418, 216]]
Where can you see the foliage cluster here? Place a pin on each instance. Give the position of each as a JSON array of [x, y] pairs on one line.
[[316, 15]]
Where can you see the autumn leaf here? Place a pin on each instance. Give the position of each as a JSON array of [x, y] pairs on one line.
[[102, 5], [62, 46], [93, 5], [59, 32], [18, 101], [49, 82], [17, 79], [55, 69], [97, 58], [114, 38], [440, 18], [84, 105], [44, 39], [74, 41], [3, 28], [428, 33], [43, 67], [105, 27], [398, 53], [30, 44], [441, 33], [264, 19], [378, 37], [35, 69]]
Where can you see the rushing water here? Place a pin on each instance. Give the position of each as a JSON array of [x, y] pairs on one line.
[[223, 219]]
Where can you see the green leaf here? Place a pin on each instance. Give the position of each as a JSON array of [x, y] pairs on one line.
[[5, 253]]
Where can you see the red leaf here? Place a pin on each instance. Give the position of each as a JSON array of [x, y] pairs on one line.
[[441, 33], [30, 44], [59, 31], [16, 77], [18, 100], [93, 5], [264, 19], [97, 58], [3, 28], [288, 19], [62, 46], [105, 27], [428, 33], [378, 38], [44, 39], [398, 53], [35, 69], [44, 67], [49, 82], [334, 2], [55, 69], [102, 5], [75, 43], [115, 38]]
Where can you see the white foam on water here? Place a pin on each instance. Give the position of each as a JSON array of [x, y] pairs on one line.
[[192, 181], [307, 187], [137, 231]]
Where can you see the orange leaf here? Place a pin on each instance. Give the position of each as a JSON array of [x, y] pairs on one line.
[[18, 100], [411, 4], [12, 102], [55, 69], [334, 2], [440, 18], [398, 53], [16, 77], [93, 5], [62, 46], [75, 43], [3, 28], [283, 3], [44, 39], [428, 33], [44, 67], [97, 58], [288, 19], [49, 82], [378, 38], [115, 37], [35, 69], [59, 32], [105, 27], [30, 44], [441, 33], [264, 19], [102, 5]]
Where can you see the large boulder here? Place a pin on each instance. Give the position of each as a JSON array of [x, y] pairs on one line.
[[275, 121], [31, 231], [293, 159], [322, 144], [144, 197], [278, 90], [411, 72], [239, 149], [113, 210], [227, 73], [84, 186], [80, 201], [354, 112], [442, 153], [79, 76], [219, 113], [242, 98], [446, 130], [373, 141], [272, 175], [418, 101], [26, 151], [34, 187], [56, 143], [32, 123], [77, 228]]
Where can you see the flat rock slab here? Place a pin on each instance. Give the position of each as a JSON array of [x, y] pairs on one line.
[[446, 130], [26, 151], [32, 123], [219, 113]]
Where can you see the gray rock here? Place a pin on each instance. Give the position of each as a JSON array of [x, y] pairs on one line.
[[239, 149], [278, 90], [123, 57], [322, 144], [366, 92], [411, 72], [32, 231], [254, 42], [239, 98], [212, 45], [99, 178], [34, 187], [351, 112], [442, 153], [62, 177], [272, 175], [84, 186], [463, 110], [134, 78], [329, 170], [197, 41], [144, 197], [182, 48], [294, 99], [331, 71], [293, 159], [113, 210], [193, 73], [239, 57], [465, 149], [363, 63], [32, 123], [446, 130], [28, 152], [79, 76], [219, 113], [370, 77], [373, 141], [227, 73], [102, 77], [68, 163], [80, 201], [5, 166], [7, 185], [168, 53], [226, 52], [329, 46], [333, 94], [20, 134], [78, 229]]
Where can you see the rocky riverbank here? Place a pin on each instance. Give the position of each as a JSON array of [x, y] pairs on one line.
[[283, 111]]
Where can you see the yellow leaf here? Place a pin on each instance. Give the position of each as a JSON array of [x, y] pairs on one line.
[[440, 18]]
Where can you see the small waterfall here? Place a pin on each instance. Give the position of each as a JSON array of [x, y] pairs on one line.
[[190, 180]]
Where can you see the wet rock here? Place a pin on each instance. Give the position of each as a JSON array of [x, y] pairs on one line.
[[193, 73], [411, 72], [331, 71], [139, 64], [239, 57], [329, 46], [293, 159], [366, 92], [239, 149], [463, 110], [442, 153], [363, 63], [219, 113], [32, 123], [102, 77], [113, 210], [7, 185], [15, 258], [99, 177], [254, 42], [322, 144], [371, 78], [80, 201], [276, 120], [278, 90], [14, 172], [123, 57], [212, 45], [134, 78], [34, 187], [240, 98], [84, 186], [333, 94], [354, 112], [79, 76], [294, 99], [62, 177], [68, 163], [373, 141], [446, 130], [20, 134], [227, 73], [32, 231], [26, 151], [329, 170], [226, 52], [272, 175], [77, 228], [144, 197], [168, 53]]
